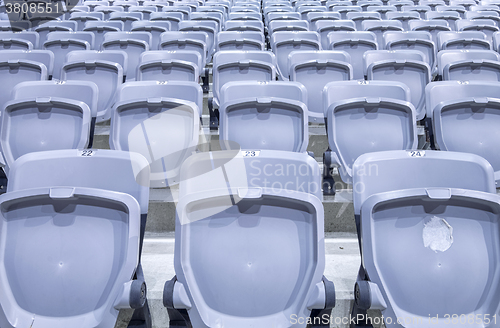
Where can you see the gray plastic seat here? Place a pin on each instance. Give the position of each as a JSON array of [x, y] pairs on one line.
[[457, 8], [304, 10], [79, 35], [433, 26], [108, 10], [234, 40], [100, 28], [286, 15], [288, 220], [211, 28], [155, 28], [486, 14], [82, 17], [133, 43], [243, 25], [282, 43], [379, 27], [97, 247], [145, 10], [288, 25], [469, 65], [450, 16], [355, 44], [60, 47], [271, 115], [367, 123], [53, 26], [420, 9], [105, 69], [469, 123], [496, 41], [463, 40], [487, 26], [325, 27], [314, 17], [127, 18], [14, 71], [160, 121], [314, 69], [179, 8], [429, 240], [192, 41], [44, 57], [345, 9], [360, 17], [172, 17], [161, 65], [382, 9], [217, 17], [404, 17], [84, 91], [413, 40], [231, 66], [396, 66], [19, 40], [43, 123], [14, 26]]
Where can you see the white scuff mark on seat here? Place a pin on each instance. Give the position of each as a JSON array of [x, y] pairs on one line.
[[437, 234]]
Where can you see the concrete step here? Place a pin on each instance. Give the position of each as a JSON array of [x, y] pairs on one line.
[[342, 264]]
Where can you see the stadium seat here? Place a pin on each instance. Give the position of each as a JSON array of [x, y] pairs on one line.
[[360, 17], [355, 44], [282, 43], [133, 43], [314, 69], [100, 28], [82, 17], [160, 65], [326, 27], [84, 91], [193, 41], [211, 28], [156, 28], [366, 116], [403, 17], [106, 69], [380, 27], [469, 65], [53, 26], [234, 40], [386, 198], [462, 40], [161, 121], [413, 40], [244, 25], [245, 255], [172, 17], [487, 26], [288, 25], [314, 17], [395, 65], [127, 18], [271, 115], [433, 26]]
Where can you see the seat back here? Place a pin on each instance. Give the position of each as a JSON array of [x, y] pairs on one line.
[[314, 69], [360, 17], [235, 40], [104, 68], [463, 40], [8, 39], [84, 91], [403, 17], [160, 65], [100, 28], [53, 26], [211, 28], [41, 226], [487, 26], [43, 123], [60, 48], [412, 40], [469, 65], [434, 239], [288, 25], [314, 17], [228, 176], [433, 26], [172, 17], [282, 43], [134, 43], [326, 27], [83, 36], [397, 67], [231, 66], [163, 129], [155, 28], [257, 115], [380, 27], [355, 44], [244, 25], [193, 41], [127, 18]]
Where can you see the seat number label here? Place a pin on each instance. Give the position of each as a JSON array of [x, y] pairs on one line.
[[416, 153], [251, 153], [86, 153]]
